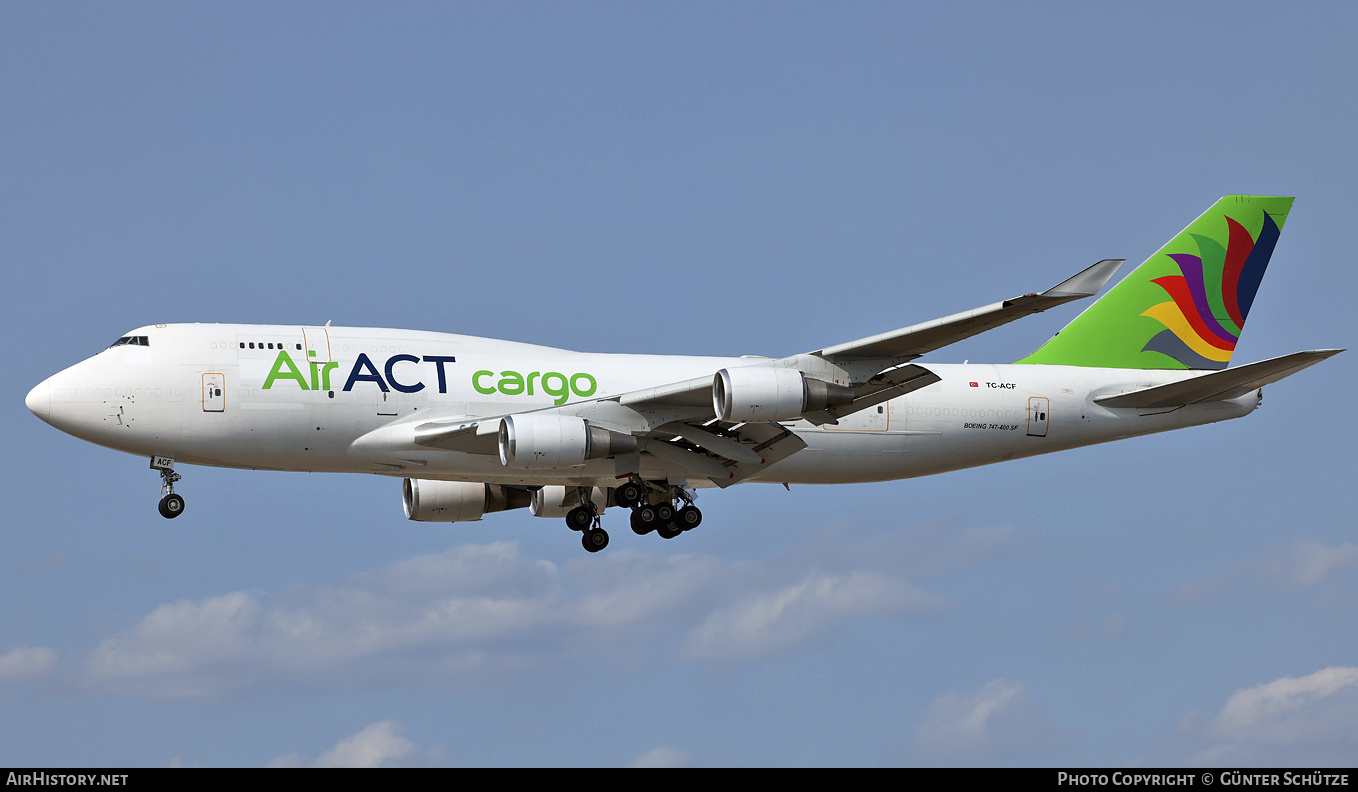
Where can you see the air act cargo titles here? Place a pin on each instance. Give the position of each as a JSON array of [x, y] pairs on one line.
[[510, 383]]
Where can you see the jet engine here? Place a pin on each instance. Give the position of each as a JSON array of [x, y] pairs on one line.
[[548, 440], [555, 500], [427, 500], [758, 393]]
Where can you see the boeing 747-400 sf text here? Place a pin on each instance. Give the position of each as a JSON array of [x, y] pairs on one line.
[[476, 425]]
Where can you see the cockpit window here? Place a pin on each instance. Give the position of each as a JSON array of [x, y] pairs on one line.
[[131, 340]]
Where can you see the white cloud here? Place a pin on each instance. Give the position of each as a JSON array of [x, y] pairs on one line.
[[375, 746], [1299, 721], [26, 662], [456, 604], [764, 621], [1304, 564], [476, 611], [170, 642], [993, 724], [966, 719], [379, 745], [1309, 563], [661, 756]]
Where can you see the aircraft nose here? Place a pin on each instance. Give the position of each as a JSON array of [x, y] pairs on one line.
[[39, 400]]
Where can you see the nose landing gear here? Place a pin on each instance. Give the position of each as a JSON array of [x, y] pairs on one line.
[[171, 505]]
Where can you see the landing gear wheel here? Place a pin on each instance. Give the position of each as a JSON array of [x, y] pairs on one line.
[[628, 494], [639, 526], [171, 506], [688, 517], [580, 519], [666, 525], [595, 539]]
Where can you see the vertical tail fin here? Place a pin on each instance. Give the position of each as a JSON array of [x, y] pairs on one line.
[[1185, 306]]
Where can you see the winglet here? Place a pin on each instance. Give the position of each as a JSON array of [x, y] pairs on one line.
[[1087, 282]]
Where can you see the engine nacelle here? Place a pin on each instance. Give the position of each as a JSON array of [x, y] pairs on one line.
[[548, 440], [759, 393], [428, 500], [555, 500]]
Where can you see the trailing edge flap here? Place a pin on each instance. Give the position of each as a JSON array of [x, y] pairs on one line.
[[774, 444], [911, 342], [1218, 385], [769, 443]]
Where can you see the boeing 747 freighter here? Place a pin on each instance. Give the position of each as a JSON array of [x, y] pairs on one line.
[[475, 425]]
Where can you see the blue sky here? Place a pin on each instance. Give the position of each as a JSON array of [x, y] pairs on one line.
[[754, 178]]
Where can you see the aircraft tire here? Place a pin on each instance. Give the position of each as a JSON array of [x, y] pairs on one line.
[[628, 495], [669, 530], [639, 526], [689, 517], [579, 518], [594, 539], [171, 506]]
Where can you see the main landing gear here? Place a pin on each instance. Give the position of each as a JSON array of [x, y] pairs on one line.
[[171, 505], [586, 520], [653, 509]]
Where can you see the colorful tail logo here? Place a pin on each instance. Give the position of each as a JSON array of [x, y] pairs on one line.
[[1184, 307], [1201, 330]]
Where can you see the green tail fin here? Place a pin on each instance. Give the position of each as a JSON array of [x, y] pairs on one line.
[[1185, 306]]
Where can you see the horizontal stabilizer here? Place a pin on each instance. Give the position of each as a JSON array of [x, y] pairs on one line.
[[1219, 385]]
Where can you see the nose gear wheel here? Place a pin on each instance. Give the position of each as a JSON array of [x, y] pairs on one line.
[[171, 505]]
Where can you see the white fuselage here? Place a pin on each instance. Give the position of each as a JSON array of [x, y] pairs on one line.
[[295, 398]]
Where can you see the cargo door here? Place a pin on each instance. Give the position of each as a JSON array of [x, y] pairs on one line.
[[1037, 416]]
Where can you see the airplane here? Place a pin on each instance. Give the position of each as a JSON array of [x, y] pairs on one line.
[[476, 426]]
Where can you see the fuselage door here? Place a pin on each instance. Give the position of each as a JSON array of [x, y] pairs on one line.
[[317, 341], [214, 392], [1037, 416], [872, 419]]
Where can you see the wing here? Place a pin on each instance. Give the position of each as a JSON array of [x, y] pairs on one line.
[[916, 340], [877, 368], [679, 423]]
